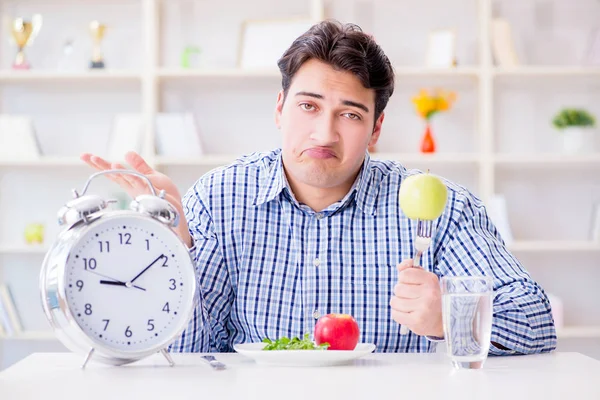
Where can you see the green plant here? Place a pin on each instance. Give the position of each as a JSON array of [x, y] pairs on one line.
[[573, 117], [294, 343]]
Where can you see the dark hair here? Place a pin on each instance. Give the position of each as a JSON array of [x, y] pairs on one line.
[[345, 47]]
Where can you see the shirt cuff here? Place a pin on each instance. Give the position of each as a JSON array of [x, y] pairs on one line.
[[436, 339]]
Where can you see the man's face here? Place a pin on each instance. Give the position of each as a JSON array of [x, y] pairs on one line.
[[327, 121]]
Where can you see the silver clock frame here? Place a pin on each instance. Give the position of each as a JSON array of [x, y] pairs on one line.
[[53, 278]]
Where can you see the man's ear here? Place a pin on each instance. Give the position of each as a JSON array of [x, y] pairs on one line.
[[376, 130], [278, 108]]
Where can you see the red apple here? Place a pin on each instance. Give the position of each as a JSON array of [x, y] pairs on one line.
[[339, 330]]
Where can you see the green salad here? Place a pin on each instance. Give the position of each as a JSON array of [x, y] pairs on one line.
[[294, 343]]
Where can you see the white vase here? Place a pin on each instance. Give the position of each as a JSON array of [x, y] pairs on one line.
[[578, 139]]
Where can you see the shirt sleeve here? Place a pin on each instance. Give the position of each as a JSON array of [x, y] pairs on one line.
[[522, 320], [207, 329]]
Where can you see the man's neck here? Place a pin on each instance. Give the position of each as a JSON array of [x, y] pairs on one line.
[[316, 198]]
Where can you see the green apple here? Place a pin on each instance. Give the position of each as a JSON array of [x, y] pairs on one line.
[[423, 196], [34, 233]]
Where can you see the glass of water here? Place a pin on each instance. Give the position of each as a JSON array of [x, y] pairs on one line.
[[467, 315]]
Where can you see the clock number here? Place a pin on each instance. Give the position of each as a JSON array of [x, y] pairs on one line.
[[126, 236], [166, 307], [88, 309], [150, 324], [79, 284], [128, 332], [89, 264], [106, 321], [173, 286], [165, 259], [147, 244], [104, 245]]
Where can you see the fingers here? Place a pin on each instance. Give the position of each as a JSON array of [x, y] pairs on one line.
[[130, 180], [407, 291], [100, 163], [404, 305], [404, 265], [416, 276], [403, 318], [87, 158], [138, 163]]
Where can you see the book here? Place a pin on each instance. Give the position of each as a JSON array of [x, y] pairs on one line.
[[18, 140], [177, 135], [9, 307], [503, 45], [127, 135], [5, 325]]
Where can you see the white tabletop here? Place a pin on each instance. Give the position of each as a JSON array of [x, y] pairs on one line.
[[377, 376]]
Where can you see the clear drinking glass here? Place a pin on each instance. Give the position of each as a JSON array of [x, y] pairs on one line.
[[467, 315]]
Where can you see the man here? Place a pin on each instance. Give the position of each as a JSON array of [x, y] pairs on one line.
[[314, 227]]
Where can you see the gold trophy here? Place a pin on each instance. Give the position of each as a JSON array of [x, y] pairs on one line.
[[23, 32], [97, 30]]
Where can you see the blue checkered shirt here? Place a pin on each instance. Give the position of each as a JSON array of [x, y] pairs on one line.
[[268, 266]]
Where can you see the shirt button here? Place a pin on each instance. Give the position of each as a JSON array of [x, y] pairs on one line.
[[316, 314], [317, 262], [319, 215]]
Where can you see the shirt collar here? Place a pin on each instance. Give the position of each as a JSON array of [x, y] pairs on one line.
[[364, 191], [365, 187], [273, 183]]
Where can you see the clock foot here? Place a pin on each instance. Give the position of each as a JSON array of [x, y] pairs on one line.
[[87, 358], [165, 353]]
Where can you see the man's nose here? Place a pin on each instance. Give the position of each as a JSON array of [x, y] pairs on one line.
[[325, 131]]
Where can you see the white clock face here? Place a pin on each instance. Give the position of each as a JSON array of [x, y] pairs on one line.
[[129, 283]]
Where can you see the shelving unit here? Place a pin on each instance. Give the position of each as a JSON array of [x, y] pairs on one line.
[[23, 249], [471, 138], [545, 72], [37, 76], [557, 246]]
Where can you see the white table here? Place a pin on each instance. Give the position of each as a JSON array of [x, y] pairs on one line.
[[377, 376]]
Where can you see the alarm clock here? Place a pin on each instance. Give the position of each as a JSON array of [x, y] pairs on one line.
[[118, 285]]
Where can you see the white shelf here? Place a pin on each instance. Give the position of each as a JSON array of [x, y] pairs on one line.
[[547, 160], [44, 162], [554, 246], [23, 249], [209, 160], [429, 159], [274, 73], [473, 71], [547, 71], [578, 332], [36, 76], [31, 335], [218, 73]]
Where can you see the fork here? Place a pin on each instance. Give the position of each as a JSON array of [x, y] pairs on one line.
[[213, 362], [422, 242]]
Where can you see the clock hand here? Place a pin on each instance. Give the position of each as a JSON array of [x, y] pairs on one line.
[[113, 279], [146, 269], [118, 283]]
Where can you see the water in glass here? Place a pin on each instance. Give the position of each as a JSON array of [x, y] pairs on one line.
[[467, 317]]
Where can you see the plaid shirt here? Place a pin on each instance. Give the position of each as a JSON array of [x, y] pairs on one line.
[[269, 266]]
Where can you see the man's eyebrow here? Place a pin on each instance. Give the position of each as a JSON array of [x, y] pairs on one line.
[[355, 104], [344, 102], [311, 94]]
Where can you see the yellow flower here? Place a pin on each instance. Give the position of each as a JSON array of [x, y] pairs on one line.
[[428, 104]]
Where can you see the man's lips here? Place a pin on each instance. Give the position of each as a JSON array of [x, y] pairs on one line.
[[319, 152]]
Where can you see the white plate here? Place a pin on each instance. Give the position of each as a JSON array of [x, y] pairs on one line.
[[302, 358]]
